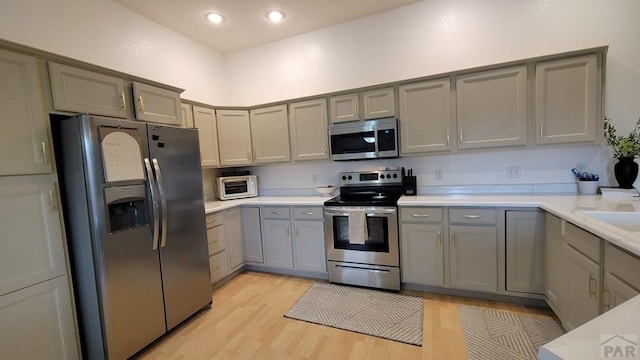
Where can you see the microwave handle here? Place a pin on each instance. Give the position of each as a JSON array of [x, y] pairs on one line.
[[375, 136]]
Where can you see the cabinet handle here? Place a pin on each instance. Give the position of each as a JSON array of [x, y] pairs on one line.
[[307, 213], [421, 215], [453, 239], [447, 137], [460, 136], [295, 228], [471, 216], [124, 101], [440, 238], [275, 213], [52, 199], [366, 106], [357, 113], [249, 155], [606, 299], [141, 103], [288, 230], [45, 153], [541, 132], [592, 280]]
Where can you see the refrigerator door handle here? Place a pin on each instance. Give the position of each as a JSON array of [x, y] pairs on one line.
[[163, 202], [154, 201]]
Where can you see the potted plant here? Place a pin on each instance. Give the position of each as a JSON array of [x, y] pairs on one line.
[[625, 149]]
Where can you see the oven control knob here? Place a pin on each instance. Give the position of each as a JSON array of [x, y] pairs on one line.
[[381, 176], [349, 177], [388, 176], [344, 177], [395, 176]]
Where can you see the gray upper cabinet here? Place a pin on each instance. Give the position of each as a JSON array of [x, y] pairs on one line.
[[24, 140], [270, 134], [186, 111], [491, 108], [77, 90], [157, 105], [345, 108], [525, 233], [308, 130], [568, 100], [425, 116], [234, 137], [379, 103], [204, 119]]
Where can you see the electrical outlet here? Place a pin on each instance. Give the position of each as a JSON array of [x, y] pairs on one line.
[[513, 172], [438, 174]]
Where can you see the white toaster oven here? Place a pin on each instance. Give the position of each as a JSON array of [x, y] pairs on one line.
[[237, 187]]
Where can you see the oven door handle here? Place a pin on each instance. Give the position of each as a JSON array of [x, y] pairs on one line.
[[346, 212]]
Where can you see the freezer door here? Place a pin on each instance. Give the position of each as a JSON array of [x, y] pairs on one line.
[[184, 254]]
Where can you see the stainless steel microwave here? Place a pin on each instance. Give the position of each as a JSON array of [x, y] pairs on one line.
[[237, 187], [370, 139]]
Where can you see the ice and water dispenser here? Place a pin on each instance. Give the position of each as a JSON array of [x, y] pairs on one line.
[[126, 207]]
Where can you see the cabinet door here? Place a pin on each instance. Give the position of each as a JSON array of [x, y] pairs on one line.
[[186, 112], [37, 322], [344, 108], [582, 283], [474, 258], [492, 108], [233, 234], [422, 254], [308, 246], [568, 96], [524, 251], [425, 116], [204, 119], [251, 234], [234, 137], [379, 103], [276, 237], [308, 129], [270, 135], [24, 144], [77, 90], [219, 266], [32, 245], [157, 105], [615, 292], [555, 271]]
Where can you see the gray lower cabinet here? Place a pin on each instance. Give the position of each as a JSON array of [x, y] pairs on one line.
[[233, 235], [524, 251], [555, 270], [473, 257], [615, 291], [421, 246], [276, 238], [582, 287], [621, 279], [252, 234], [308, 246]]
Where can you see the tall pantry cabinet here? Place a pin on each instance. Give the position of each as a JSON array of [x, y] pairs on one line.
[[36, 313]]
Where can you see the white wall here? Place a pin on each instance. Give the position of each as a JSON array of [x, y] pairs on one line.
[[436, 36], [104, 33]]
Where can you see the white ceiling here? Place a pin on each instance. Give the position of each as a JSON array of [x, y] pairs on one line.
[[245, 24]]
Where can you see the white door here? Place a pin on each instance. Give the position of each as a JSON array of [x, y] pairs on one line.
[[24, 143]]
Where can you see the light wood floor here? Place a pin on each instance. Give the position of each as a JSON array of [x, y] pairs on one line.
[[246, 322]]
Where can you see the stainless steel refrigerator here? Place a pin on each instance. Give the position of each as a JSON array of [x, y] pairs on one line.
[[135, 221]]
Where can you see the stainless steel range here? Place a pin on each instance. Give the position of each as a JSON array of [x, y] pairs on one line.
[[361, 227]]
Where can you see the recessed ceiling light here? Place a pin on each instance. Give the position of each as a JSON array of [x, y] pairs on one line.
[[215, 18], [275, 16]]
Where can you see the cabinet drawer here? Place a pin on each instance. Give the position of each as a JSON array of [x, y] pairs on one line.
[[307, 213], [420, 214], [275, 213], [472, 216], [216, 239], [219, 266], [215, 219], [583, 241], [625, 265]]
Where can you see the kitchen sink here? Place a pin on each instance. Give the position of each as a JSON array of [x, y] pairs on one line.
[[629, 221]]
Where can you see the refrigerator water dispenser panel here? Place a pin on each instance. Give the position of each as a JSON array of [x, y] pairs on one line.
[[126, 207]]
